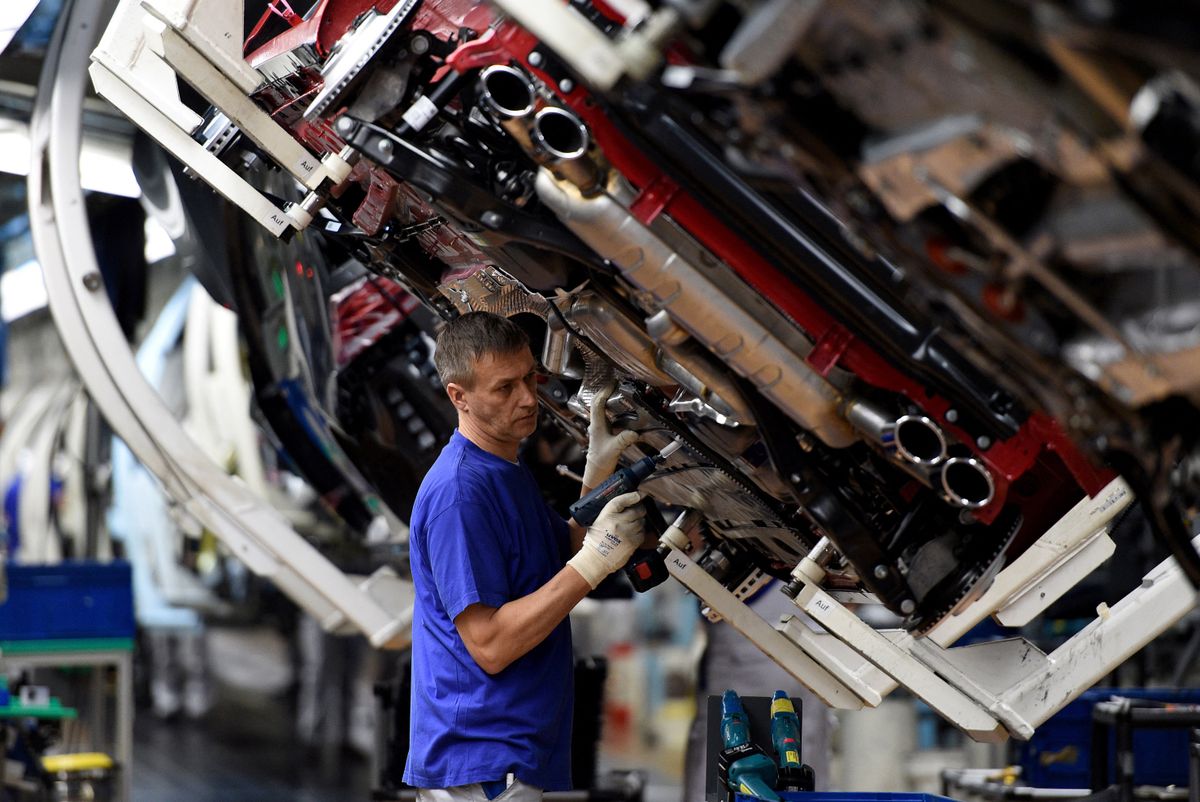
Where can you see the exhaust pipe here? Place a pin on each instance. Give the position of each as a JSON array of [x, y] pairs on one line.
[[919, 440], [508, 96], [967, 483], [914, 440], [687, 361], [560, 134], [563, 141], [554, 136]]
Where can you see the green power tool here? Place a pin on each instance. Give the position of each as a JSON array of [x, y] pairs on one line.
[[785, 737], [742, 766]]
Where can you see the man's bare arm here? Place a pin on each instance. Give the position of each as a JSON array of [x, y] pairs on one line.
[[498, 636]]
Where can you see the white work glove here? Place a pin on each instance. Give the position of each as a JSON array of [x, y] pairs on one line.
[[604, 448], [609, 541]]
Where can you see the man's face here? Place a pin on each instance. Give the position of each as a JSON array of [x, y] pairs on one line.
[[502, 401]]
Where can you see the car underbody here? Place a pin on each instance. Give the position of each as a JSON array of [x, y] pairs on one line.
[[914, 284]]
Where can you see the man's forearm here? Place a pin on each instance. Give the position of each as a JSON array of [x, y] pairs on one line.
[[497, 637], [578, 532]]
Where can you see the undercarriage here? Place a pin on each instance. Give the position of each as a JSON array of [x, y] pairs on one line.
[[914, 285]]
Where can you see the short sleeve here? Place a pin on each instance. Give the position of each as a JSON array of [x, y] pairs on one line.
[[562, 533], [467, 557]]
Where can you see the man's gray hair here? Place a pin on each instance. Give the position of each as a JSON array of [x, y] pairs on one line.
[[461, 342]]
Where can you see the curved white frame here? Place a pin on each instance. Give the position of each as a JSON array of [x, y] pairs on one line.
[[255, 532]]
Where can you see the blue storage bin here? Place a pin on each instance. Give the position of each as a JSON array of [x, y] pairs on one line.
[[849, 796], [1059, 753], [75, 600]]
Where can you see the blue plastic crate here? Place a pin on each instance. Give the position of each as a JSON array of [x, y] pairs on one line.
[[75, 600], [1059, 754], [850, 796]]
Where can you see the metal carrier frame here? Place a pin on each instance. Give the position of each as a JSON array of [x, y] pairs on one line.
[[989, 690]]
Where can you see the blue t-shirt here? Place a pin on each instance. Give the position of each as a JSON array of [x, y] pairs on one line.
[[481, 532]]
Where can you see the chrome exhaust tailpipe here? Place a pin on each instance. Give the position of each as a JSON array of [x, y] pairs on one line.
[[553, 136], [563, 141], [871, 421], [967, 483], [560, 134], [919, 440], [508, 96], [914, 440]]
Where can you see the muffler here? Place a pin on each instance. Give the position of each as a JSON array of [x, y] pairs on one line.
[[967, 483], [738, 337]]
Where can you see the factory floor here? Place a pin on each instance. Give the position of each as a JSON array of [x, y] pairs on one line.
[[246, 748], [243, 751]]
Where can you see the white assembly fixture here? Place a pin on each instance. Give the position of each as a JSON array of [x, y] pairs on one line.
[[254, 531]]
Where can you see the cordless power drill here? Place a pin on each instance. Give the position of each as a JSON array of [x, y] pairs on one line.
[[741, 765], [785, 737], [624, 480], [648, 570]]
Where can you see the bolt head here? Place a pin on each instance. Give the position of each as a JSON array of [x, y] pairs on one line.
[[983, 441], [951, 416], [795, 478], [92, 281], [566, 85], [907, 606], [881, 572], [344, 125], [535, 59], [385, 147]]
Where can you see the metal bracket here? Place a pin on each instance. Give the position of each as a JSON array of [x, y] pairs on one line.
[[148, 47], [989, 690], [773, 643], [1033, 581], [894, 660]]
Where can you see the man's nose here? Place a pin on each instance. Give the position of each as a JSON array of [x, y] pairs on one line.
[[530, 397]]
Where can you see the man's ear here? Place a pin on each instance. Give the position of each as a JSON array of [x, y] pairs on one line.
[[458, 396]]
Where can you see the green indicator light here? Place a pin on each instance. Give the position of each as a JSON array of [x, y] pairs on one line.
[[283, 338], [277, 283]]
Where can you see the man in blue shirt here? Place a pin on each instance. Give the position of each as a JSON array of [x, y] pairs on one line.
[[492, 665]]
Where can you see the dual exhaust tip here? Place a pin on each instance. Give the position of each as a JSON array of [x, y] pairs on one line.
[[508, 94], [920, 445], [965, 481]]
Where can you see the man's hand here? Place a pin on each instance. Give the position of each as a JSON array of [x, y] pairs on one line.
[[604, 448], [611, 539]]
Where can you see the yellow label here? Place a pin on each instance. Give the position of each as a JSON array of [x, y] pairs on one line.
[[792, 756], [782, 706], [80, 761], [745, 790]]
